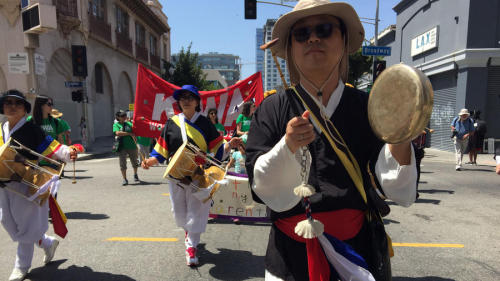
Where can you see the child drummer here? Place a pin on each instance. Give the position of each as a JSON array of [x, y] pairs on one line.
[[25, 221], [189, 212]]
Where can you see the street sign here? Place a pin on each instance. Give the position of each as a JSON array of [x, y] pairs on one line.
[[376, 51], [73, 84]]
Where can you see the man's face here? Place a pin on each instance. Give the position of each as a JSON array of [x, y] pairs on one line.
[[464, 117], [14, 107], [322, 49]]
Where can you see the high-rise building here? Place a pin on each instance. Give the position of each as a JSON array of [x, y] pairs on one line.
[[270, 75], [259, 54]]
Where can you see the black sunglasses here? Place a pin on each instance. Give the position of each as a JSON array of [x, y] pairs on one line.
[[322, 30], [188, 97], [50, 103]]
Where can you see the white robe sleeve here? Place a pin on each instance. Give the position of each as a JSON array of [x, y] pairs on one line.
[[398, 182], [63, 153], [276, 174]]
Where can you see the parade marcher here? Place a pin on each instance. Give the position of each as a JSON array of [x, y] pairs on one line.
[[212, 115], [238, 157], [461, 127], [497, 157], [315, 39], [144, 144], [476, 140], [65, 136], [128, 147], [419, 147], [190, 213], [245, 118], [24, 221]]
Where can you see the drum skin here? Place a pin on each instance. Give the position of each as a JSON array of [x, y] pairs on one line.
[[400, 104]]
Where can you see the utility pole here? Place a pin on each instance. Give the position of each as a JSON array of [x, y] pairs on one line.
[[376, 40]]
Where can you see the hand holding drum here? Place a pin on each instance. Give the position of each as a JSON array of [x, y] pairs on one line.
[[400, 104]]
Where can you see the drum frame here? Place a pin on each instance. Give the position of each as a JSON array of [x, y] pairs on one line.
[[17, 146]]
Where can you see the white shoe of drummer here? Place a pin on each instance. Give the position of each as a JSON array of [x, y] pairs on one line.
[[18, 274], [50, 251], [191, 258]]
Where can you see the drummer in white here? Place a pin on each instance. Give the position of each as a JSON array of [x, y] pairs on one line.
[[190, 213], [25, 221]]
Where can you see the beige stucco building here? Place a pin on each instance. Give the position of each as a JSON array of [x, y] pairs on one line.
[[118, 34]]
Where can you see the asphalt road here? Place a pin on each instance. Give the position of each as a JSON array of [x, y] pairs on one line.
[[457, 208]]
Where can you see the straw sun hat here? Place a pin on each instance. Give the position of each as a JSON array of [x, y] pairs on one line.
[[306, 8]]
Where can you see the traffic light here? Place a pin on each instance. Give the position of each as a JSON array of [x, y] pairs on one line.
[[250, 9], [379, 67], [79, 59], [77, 96]]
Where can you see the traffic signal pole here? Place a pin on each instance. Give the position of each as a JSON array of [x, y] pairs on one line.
[[375, 43]]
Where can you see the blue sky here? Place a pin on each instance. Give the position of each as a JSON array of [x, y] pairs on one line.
[[219, 25]]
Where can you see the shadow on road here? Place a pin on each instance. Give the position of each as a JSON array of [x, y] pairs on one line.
[[432, 191], [420, 200], [426, 172], [85, 216], [70, 177], [389, 221], [241, 222], [144, 183], [232, 264], [51, 272], [426, 278]]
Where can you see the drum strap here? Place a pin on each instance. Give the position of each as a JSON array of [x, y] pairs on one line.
[[183, 125], [19, 124]]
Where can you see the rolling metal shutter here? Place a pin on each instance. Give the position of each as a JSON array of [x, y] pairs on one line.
[[492, 114], [445, 97]]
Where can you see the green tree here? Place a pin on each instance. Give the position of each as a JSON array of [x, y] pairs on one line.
[[188, 70], [358, 65]]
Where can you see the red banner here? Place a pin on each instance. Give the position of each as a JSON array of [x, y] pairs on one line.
[[154, 102]]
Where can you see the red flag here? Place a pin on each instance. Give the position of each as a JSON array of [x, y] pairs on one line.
[[154, 101], [58, 218]]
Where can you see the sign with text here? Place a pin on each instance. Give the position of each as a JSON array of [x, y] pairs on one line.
[[73, 84], [376, 51], [424, 42], [234, 200], [154, 101], [39, 64], [18, 63]]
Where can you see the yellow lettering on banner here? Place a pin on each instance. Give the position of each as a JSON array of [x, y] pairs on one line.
[[131, 106]]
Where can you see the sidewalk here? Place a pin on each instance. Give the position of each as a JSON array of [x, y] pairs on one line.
[[100, 148], [435, 155]]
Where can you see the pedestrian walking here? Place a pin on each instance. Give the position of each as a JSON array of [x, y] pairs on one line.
[[127, 146], [316, 39], [419, 147], [190, 213], [461, 127], [27, 222]]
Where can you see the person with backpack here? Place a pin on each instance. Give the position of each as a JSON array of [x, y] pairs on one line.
[[461, 127]]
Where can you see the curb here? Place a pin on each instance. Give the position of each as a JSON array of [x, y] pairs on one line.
[[95, 155]]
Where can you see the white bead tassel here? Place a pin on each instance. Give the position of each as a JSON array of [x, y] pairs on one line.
[[309, 228], [304, 190]]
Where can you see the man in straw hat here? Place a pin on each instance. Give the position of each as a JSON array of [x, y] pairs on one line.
[[343, 176], [63, 137], [461, 127]]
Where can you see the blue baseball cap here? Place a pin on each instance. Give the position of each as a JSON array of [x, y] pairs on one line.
[[186, 88]]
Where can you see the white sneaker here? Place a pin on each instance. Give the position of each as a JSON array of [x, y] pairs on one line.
[[50, 251], [18, 274], [191, 258], [458, 167]]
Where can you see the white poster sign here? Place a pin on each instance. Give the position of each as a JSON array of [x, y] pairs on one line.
[[18, 63], [424, 42], [234, 200], [39, 64]]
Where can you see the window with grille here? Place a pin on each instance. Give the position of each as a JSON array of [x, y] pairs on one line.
[[121, 21], [140, 35], [98, 9], [152, 45]]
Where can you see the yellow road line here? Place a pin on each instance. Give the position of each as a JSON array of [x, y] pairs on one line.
[[165, 194], [139, 239], [428, 245]]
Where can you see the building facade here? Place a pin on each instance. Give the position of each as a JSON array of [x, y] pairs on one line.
[[259, 54], [117, 34], [270, 77], [457, 45], [227, 65]]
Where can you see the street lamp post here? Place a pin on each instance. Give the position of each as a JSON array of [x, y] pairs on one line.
[[376, 40]]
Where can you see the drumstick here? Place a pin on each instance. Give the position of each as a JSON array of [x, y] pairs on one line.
[[74, 170]]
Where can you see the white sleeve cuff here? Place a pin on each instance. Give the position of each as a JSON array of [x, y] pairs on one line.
[[276, 174], [398, 182], [63, 153]]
